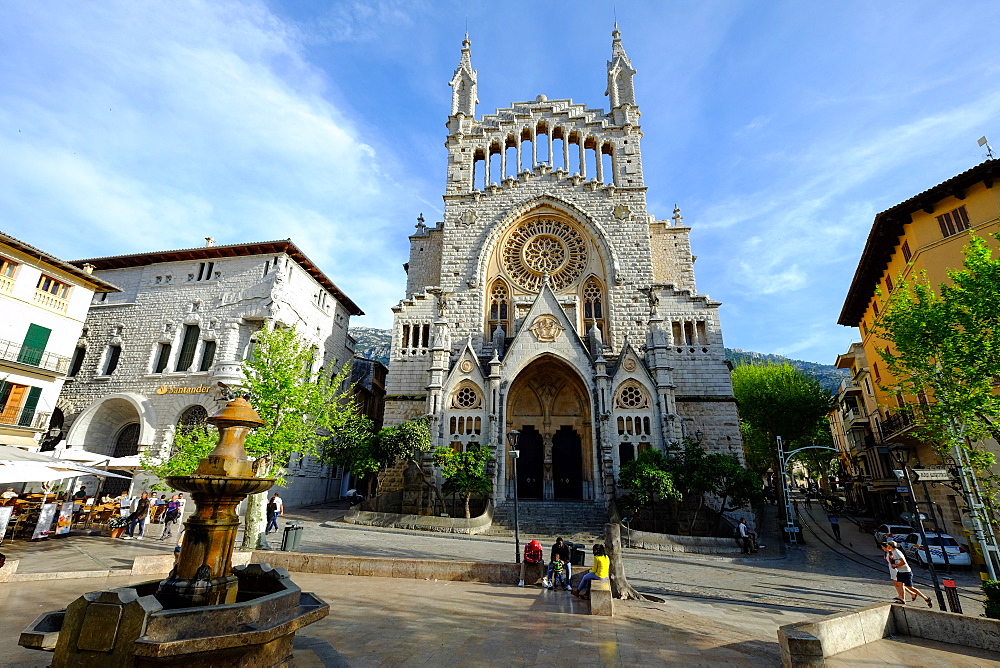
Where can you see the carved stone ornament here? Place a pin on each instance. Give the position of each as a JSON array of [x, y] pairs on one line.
[[544, 246], [622, 212], [466, 366], [546, 328], [629, 365], [467, 218]]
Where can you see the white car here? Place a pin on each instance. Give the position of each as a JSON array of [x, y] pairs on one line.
[[958, 555], [894, 532]]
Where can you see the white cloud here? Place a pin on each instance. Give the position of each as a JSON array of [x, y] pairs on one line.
[[143, 126]]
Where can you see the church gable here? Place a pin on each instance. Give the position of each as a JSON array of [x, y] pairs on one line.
[[546, 329]]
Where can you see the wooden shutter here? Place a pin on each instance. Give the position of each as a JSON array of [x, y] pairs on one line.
[[34, 345], [28, 412], [191, 334]]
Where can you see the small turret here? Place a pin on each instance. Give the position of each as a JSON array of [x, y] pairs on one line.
[[620, 89], [464, 96]]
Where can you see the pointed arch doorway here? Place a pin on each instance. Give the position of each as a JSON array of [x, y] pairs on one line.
[[549, 404]]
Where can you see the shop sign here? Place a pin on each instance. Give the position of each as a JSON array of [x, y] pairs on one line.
[[45, 517], [5, 515], [171, 389], [65, 521], [929, 475]]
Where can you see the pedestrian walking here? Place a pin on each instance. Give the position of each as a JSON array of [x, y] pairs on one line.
[[904, 576], [744, 533], [809, 501], [171, 518], [138, 518], [795, 508], [274, 508], [835, 525]]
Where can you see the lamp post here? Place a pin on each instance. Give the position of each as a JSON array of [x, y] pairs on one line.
[[902, 456], [783, 459], [512, 438]]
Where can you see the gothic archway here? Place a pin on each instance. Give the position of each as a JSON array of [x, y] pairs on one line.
[[549, 403]]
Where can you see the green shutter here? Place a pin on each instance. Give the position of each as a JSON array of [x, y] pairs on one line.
[[34, 345], [191, 334], [28, 412]]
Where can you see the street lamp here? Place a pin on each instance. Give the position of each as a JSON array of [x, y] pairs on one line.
[[902, 456], [512, 438]]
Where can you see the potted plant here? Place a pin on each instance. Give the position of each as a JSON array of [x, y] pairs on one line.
[[117, 525]]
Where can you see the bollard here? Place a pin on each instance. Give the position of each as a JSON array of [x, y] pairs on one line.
[[951, 592]]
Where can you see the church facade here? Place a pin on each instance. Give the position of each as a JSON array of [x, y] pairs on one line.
[[548, 300]]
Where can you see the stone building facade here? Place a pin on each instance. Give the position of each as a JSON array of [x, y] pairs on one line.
[[549, 301], [154, 355], [43, 304]]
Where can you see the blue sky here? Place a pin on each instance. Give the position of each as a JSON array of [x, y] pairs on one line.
[[780, 128]]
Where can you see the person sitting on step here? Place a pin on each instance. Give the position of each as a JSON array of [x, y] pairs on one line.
[[600, 571]]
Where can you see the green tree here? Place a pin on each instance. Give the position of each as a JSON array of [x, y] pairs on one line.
[[944, 345], [778, 400], [302, 407], [648, 480], [464, 472], [693, 474], [735, 485]]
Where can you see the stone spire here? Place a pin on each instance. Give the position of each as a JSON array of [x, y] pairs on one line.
[[464, 96], [620, 73]]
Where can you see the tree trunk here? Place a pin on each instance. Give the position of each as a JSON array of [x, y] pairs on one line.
[[722, 509], [468, 514], [620, 588], [694, 519], [254, 521]]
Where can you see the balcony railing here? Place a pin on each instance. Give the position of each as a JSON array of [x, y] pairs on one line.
[[848, 385], [896, 424], [51, 302], [18, 417], [15, 352], [852, 415], [6, 285]]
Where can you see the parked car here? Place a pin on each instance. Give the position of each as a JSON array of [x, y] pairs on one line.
[[958, 554], [891, 532]]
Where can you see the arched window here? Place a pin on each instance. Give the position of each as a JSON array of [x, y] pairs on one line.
[[192, 418], [593, 307], [127, 441], [467, 396], [632, 396], [500, 308]]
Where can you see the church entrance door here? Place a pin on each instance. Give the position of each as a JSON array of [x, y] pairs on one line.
[[530, 464], [550, 405], [567, 464]]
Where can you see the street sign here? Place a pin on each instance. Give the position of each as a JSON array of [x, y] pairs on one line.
[[929, 475], [902, 490], [792, 530]]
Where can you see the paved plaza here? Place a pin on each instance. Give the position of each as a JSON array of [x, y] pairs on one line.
[[718, 610]]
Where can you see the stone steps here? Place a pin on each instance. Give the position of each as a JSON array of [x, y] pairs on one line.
[[551, 518]]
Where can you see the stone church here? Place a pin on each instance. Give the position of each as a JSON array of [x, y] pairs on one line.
[[549, 301]]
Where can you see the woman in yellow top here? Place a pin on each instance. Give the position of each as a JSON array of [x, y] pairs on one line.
[[600, 571]]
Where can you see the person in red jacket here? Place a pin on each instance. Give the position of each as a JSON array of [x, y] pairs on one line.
[[533, 555]]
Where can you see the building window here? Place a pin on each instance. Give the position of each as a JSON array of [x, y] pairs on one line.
[[74, 366], [162, 358], [953, 222], [875, 307], [53, 287], [631, 395], [888, 284], [626, 453], [906, 251], [864, 328], [593, 307], [192, 418], [466, 397], [127, 441], [205, 270], [415, 338], [33, 346], [114, 353], [207, 356], [500, 308], [188, 345], [878, 376], [7, 267]]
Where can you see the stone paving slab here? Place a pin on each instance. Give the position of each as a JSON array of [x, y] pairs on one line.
[[378, 621], [908, 651]]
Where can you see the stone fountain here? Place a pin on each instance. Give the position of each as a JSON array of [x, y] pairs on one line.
[[206, 613]]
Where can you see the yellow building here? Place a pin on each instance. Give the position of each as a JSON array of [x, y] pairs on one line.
[[926, 233]]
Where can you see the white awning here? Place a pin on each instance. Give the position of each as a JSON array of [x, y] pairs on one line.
[[19, 441]]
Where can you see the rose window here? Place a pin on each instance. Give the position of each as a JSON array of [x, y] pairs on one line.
[[631, 397], [466, 398], [541, 247]]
